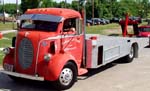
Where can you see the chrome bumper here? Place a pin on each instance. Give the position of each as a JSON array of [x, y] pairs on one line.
[[22, 75]]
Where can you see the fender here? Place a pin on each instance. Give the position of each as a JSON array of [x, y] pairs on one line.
[[9, 58], [56, 64]]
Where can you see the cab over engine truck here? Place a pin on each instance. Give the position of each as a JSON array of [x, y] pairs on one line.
[[51, 45]]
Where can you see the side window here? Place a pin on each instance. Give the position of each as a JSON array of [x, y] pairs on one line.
[[69, 26]]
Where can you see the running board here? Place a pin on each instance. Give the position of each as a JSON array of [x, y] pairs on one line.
[[22, 75], [82, 71]]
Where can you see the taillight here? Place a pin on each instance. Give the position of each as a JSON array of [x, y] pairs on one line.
[[94, 40]]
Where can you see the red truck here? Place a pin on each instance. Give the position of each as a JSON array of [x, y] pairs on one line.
[[51, 45]]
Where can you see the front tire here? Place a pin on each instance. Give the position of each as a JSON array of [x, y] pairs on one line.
[[67, 77]]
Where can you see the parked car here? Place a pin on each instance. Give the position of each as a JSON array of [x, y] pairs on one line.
[[133, 18], [115, 20], [106, 21], [89, 22], [96, 21]]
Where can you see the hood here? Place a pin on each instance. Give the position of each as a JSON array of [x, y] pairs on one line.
[[27, 44]]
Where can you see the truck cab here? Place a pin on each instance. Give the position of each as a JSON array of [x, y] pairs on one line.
[[48, 46]]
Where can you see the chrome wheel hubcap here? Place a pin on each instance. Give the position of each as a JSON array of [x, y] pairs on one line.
[[66, 76], [131, 52]]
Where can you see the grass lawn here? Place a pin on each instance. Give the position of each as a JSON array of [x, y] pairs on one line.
[[1, 57], [100, 29], [6, 41], [7, 26]]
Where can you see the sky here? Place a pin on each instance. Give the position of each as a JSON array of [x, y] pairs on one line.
[[11, 1], [19, 1]]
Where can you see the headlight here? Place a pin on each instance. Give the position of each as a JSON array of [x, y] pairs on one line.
[[6, 50], [47, 57]]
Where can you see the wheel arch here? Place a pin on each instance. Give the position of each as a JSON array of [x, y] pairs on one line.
[[57, 64], [72, 61]]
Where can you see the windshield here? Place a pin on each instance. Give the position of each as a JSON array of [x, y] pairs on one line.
[[144, 29], [39, 25]]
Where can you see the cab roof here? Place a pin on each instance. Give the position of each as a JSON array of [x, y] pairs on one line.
[[66, 13]]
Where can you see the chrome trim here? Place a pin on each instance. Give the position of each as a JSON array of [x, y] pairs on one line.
[[22, 75]]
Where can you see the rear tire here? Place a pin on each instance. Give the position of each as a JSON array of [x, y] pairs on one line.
[[129, 58], [67, 78]]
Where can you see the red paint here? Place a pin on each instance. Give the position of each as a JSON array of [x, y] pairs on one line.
[[62, 48], [1, 35], [145, 32], [89, 53], [66, 13], [126, 24], [93, 38]]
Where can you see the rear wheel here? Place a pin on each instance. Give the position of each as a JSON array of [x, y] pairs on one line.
[[67, 77], [129, 58]]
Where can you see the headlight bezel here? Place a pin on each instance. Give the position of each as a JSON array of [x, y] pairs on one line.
[[47, 57], [6, 50]]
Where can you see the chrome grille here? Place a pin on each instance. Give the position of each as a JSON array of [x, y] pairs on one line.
[[25, 54]]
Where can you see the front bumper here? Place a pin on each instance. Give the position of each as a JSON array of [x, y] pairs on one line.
[[22, 75]]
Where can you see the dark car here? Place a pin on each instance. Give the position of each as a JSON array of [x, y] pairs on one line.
[[115, 20], [105, 21], [133, 18], [89, 22], [96, 21]]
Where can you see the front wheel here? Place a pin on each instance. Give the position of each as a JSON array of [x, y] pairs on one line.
[[67, 77]]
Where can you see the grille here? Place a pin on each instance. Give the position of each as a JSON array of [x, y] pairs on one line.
[[25, 54]]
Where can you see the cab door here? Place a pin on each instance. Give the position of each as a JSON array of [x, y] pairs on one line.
[[73, 38]]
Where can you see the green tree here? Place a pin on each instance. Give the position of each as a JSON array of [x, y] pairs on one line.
[[29, 4], [9, 8], [46, 3]]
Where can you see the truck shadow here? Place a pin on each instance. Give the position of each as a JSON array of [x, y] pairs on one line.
[[114, 35], [92, 72], [147, 46], [6, 84]]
